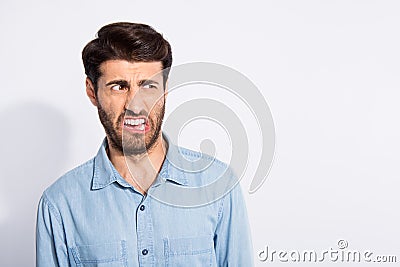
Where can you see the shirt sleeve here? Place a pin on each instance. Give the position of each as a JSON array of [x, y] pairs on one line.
[[50, 242], [233, 245]]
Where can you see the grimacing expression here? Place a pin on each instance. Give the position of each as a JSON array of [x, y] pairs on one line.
[[131, 104]]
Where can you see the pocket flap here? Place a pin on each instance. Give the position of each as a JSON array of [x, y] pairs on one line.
[[100, 253], [189, 245]]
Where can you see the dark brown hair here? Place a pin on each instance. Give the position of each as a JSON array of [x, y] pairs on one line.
[[126, 41]]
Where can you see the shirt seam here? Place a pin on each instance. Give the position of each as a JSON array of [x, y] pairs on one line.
[[52, 209], [221, 207], [188, 152]]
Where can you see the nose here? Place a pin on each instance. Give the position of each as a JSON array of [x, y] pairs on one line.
[[134, 101]]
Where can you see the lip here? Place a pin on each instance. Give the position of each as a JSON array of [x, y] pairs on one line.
[[131, 129]]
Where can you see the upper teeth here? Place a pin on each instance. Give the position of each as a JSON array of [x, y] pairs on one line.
[[134, 122]]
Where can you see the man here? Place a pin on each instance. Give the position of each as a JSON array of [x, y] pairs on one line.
[[102, 213]]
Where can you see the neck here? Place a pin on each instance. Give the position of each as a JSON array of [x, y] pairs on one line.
[[140, 170]]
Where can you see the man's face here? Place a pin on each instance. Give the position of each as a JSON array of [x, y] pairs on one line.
[[131, 104]]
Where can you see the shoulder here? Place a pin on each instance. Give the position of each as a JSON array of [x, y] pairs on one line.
[[192, 155], [201, 169], [70, 183]]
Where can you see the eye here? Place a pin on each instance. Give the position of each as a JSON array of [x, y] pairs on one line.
[[149, 86], [118, 87]]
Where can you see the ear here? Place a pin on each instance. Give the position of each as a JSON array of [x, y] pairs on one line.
[[166, 89], [90, 91]]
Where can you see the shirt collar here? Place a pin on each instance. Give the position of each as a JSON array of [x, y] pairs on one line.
[[104, 172]]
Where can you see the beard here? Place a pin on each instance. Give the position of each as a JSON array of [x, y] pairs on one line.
[[128, 143]]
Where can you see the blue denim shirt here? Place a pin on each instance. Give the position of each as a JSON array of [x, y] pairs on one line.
[[92, 217]]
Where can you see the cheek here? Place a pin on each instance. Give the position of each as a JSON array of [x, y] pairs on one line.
[[113, 107], [157, 107]]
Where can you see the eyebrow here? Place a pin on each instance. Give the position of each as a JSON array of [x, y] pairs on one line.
[[119, 82], [126, 83], [146, 82]]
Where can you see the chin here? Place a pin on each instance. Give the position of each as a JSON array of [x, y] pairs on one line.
[[134, 151]]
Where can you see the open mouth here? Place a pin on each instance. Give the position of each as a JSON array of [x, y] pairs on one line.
[[136, 124]]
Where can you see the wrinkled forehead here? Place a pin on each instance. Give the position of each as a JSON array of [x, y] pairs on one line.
[[131, 71]]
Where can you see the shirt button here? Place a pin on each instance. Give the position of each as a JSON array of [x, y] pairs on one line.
[[145, 251], [142, 208]]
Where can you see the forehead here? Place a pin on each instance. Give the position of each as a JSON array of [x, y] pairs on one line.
[[122, 69]]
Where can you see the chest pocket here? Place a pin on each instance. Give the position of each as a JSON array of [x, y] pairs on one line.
[[189, 251], [109, 254]]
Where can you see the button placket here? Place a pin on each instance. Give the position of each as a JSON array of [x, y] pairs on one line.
[[144, 229]]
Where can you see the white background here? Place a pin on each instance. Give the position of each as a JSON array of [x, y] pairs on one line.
[[328, 69]]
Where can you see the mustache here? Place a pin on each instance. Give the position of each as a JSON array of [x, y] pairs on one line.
[[129, 112]]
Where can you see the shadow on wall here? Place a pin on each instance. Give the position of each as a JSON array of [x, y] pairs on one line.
[[34, 147]]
